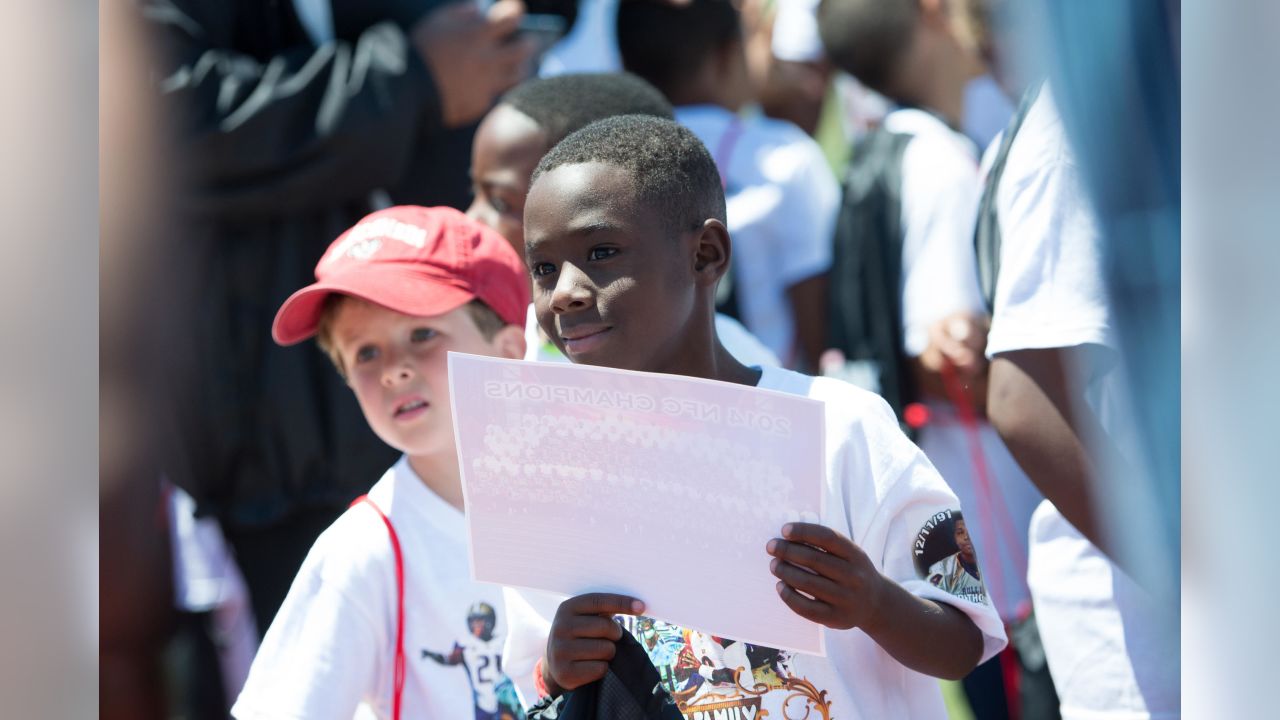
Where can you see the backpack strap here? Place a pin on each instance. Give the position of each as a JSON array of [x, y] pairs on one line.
[[987, 496], [986, 235], [399, 667]]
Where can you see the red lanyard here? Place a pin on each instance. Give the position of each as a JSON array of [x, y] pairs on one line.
[[399, 661], [982, 476]]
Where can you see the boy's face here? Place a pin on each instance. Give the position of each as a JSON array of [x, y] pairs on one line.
[[611, 286], [507, 148], [963, 542], [396, 365]]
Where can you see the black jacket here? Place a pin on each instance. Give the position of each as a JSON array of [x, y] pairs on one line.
[[279, 144]]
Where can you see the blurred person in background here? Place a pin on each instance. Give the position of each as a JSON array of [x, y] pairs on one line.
[[1120, 107], [528, 122], [289, 118], [906, 309], [790, 72], [782, 196], [1060, 397], [135, 612]]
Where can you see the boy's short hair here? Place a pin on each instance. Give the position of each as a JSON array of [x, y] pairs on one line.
[[485, 318], [663, 43], [563, 104], [868, 38], [669, 167]]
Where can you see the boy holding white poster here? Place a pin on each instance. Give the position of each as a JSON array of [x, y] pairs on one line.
[[625, 239]]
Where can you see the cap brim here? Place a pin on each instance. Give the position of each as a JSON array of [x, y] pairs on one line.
[[400, 289]]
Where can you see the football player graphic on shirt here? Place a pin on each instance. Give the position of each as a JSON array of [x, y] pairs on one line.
[[958, 574], [713, 677], [480, 654]]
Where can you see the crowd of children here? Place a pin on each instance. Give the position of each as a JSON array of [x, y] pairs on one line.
[[945, 305]]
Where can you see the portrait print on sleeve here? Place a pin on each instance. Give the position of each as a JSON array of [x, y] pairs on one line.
[[945, 557]]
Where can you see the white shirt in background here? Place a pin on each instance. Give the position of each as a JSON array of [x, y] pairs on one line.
[[1113, 648], [206, 579], [782, 203], [941, 187]]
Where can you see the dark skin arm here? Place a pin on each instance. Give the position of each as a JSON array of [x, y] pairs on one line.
[[824, 577], [1032, 404], [809, 308]]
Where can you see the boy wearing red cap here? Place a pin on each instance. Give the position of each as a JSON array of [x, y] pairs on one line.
[[383, 612]]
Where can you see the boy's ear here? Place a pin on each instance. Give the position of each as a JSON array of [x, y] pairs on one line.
[[712, 249], [509, 342]]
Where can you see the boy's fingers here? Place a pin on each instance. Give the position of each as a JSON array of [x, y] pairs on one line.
[[587, 671], [819, 536], [584, 649], [821, 562], [603, 604], [806, 608], [512, 59], [818, 586], [459, 12], [590, 626], [504, 17]]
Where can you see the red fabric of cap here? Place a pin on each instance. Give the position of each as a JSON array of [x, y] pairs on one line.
[[413, 260]]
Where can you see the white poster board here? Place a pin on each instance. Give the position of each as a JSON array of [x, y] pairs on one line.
[[667, 488]]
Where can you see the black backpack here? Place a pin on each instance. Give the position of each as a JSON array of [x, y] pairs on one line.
[[865, 297]]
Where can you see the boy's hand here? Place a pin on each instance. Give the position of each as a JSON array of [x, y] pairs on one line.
[[582, 639], [960, 339], [825, 577], [473, 56]]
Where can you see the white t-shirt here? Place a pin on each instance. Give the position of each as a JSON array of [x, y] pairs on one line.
[[736, 339], [881, 492], [207, 579], [331, 647], [941, 188], [782, 200], [1113, 649]]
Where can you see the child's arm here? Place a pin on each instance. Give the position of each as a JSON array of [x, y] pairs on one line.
[[1032, 404], [845, 590]]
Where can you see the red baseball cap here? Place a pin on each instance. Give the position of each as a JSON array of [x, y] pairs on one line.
[[413, 260]]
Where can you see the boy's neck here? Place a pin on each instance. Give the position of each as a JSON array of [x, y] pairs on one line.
[[937, 81], [440, 474], [705, 357], [943, 94], [708, 86]]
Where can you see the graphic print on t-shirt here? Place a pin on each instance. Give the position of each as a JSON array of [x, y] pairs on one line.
[[480, 655], [945, 558], [713, 678]]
